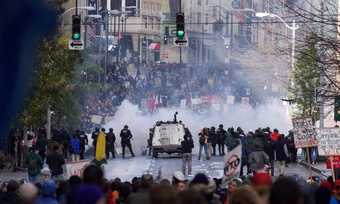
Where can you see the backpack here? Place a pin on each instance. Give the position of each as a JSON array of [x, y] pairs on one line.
[[202, 139]]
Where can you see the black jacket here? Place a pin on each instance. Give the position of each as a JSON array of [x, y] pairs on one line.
[[280, 150], [212, 137], [187, 146], [125, 136], [269, 150], [110, 139], [221, 135], [55, 162], [9, 198]]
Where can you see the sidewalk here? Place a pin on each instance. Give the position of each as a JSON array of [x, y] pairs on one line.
[[319, 168]]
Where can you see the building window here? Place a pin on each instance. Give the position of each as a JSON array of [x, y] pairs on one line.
[[199, 2], [116, 5]]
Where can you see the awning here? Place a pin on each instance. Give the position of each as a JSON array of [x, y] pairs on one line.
[[155, 46]]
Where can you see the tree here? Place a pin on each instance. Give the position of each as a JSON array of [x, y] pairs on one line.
[[306, 79], [52, 85]]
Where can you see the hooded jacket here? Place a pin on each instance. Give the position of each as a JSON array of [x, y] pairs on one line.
[[34, 164]]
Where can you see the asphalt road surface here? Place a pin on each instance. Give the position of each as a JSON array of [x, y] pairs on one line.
[[128, 168]]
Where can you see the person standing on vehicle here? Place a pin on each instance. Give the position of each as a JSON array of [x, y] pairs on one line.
[[213, 139], [126, 137], [110, 144], [221, 135], [187, 146], [203, 140]]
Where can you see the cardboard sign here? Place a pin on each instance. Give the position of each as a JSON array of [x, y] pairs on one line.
[[233, 162], [305, 134], [329, 141], [75, 168]]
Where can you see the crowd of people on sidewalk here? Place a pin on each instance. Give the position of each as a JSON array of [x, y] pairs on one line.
[[92, 188]]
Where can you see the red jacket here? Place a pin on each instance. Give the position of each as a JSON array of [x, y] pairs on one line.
[[274, 136]]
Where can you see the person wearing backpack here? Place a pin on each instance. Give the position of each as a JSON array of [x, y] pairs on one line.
[[203, 140], [75, 148]]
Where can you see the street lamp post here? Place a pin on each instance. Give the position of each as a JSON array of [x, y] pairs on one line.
[[293, 28]]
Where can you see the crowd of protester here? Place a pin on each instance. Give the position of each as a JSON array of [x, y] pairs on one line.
[[27, 146], [93, 188], [166, 85], [260, 148]]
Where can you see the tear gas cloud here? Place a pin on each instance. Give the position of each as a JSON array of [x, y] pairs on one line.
[[272, 114]]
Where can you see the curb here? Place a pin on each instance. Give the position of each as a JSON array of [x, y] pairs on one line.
[[314, 169]]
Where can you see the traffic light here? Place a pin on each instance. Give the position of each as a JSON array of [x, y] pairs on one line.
[[180, 26], [76, 27]]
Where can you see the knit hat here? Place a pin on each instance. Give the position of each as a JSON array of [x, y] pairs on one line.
[[48, 188], [88, 194], [237, 181], [261, 178], [178, 175], [200, 178]]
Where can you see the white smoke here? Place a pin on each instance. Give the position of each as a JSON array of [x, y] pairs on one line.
[[272, 114]]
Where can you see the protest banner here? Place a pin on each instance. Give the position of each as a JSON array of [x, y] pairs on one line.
[[305, 134], [75, 168], [233, 162], [329, 141]]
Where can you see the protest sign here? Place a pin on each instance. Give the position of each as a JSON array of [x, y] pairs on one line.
[[329, 141], [305, 134], [232, 163], [75, 168]]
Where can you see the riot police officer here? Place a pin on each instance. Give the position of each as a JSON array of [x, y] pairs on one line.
[[213, 139], [126, 137], [221, 135]]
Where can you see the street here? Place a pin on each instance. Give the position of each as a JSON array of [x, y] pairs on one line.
[[126, 169]]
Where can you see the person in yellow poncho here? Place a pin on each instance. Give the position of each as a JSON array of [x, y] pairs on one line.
[[100, 146]]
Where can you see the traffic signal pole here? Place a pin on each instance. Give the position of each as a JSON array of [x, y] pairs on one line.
[[180, 48], [76, 7]]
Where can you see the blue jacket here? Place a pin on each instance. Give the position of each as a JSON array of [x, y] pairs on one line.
[[46, 200], [333, 201], [75, 146]]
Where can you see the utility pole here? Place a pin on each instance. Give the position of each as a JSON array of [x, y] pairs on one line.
[[107, 16], [321, 120], [118, 41]]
